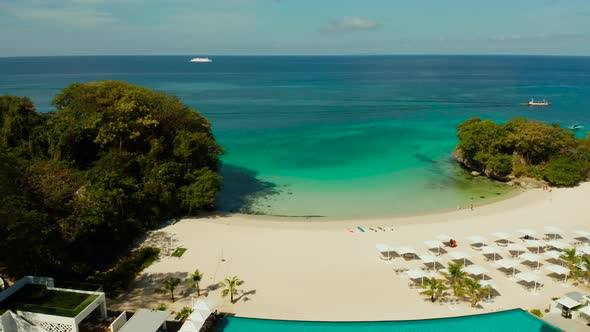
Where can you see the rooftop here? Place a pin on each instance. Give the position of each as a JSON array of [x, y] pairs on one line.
[[39, 299]]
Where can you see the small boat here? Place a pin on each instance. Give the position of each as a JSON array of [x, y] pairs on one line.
[[538, 103], [575, 127], [201, 60]]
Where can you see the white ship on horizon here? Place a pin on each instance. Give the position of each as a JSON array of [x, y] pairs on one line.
[[201, 60], [534, 102]]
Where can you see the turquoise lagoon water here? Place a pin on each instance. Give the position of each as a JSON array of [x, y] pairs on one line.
[[506, 321], [337, 136]]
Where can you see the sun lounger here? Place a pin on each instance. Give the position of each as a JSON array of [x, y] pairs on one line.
[[360, 229]]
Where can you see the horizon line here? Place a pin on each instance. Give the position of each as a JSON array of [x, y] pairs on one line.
[[304, 55]]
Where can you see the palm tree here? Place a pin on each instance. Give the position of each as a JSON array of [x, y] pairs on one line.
[[435, 289], [170, 285], [571, 258], [586, 264], [456, 276], [195, 279], [474, 290], [231, 287]]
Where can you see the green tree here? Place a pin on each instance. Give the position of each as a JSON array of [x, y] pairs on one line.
[[201, 192], [523, 148], [231, 287], [586, 272], [195, 280], [474, 291], [21, 127], [79, 184], [566, 170], [435, 288], [571, 258], [183, 314], [456, 276], [170, 285]]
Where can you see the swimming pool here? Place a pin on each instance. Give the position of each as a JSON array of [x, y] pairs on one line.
[[505, 321]]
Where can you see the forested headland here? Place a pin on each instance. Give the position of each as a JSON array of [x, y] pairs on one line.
[[523, 148], [78, 185]]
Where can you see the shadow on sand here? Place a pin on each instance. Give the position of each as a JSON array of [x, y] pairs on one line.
[[241, 188]]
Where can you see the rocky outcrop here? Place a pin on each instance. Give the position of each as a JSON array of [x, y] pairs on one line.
[[476, 170], [467, 163], [527, 183]]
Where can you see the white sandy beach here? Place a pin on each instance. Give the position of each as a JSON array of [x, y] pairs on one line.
[[318, 270]]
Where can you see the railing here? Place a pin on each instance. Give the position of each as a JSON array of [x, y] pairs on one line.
[[79, 286]]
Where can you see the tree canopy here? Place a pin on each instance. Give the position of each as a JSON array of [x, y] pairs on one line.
[[79, 184], [522, 147]]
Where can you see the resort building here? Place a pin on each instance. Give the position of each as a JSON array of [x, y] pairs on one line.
[[38, 304]]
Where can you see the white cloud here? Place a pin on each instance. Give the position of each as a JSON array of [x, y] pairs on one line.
[[84, 17], [351, 23]]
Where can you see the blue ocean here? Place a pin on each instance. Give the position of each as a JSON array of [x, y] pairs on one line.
[[337, 136]]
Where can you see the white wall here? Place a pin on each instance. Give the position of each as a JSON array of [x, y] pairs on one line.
[[119, 322]]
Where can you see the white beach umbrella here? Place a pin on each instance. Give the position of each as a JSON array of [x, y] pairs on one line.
[[417, 274], [489, 250], [529, 277], [458, 255], [405, 250], [530, 257], [509, 264], [488, 284], [558, 269], [477, 270], [385, 249], [430, 259], [519, 248], [584, 234], [527, 231], [434, 244], [476, 239], [552, 254], [534, 244], [584, 249], [557, 244], [552, 230], [502, 236]]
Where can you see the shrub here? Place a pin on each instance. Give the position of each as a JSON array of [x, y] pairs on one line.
[[536, 312], [183, 313], [566, 171], [120, 276], [500, 164], [161, 307]]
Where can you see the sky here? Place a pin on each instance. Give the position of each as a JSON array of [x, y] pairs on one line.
[[293, 27]]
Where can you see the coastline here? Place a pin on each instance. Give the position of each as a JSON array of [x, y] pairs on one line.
[[274, 218], [319, 270]]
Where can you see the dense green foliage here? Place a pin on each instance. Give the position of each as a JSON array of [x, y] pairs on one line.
[[78, 185], [124, 271], [183, 314], [524, 148]]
